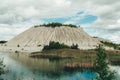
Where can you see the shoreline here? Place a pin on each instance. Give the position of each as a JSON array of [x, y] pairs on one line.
[[80, 58], [19, 49]]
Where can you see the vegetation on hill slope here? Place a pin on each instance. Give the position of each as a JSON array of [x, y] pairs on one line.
[[74, 46], [56, 24], [57, 45], [110, 44], [2, 42]]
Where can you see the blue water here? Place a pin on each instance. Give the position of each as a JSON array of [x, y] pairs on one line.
[[25, 68]]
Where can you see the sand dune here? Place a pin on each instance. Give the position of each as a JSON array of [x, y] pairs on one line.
[[37, 37]]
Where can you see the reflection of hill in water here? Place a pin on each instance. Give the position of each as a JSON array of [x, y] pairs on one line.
[[45, 66], [22, 68]]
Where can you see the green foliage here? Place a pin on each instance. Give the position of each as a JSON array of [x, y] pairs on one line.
[[71, 25], [53, 25], [56, 24], [2, 42], [101, 65], [2, 66], [2, 69], [110, 44], [55, 45], [74, 46], [18, 45], [95, 37], [38, 45]]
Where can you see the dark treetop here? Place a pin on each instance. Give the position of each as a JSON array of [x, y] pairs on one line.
[[56, 24]]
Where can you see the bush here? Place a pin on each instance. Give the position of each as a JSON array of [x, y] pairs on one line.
[[55, 45], [2, 42], [101, 65], [56, 24], [71, 25], [74, 46], [2, 66], [110, 44], [18, 45], [53, 25]]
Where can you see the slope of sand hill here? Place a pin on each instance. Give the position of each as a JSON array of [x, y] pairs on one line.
[[36, 37]]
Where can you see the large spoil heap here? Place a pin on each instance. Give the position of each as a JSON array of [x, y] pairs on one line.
[[38, 36]]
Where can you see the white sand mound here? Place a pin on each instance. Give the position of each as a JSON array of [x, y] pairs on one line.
[[35, 38]]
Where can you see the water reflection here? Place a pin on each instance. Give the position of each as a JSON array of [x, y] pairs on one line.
[[22, 67]]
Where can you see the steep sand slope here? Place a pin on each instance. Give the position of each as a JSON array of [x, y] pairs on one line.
[[43, 35]]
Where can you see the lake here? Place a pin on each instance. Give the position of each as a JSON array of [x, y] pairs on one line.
[[22, 67]]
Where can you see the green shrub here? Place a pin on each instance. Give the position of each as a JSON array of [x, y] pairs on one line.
[[53, 25], [71, 25], [2, 66], [56, 24], [2, 42], [101, 65], [110, 44], [55, 45], [74, 46], [18, 45]]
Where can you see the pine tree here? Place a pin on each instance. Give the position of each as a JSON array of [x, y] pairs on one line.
[[101, 65]]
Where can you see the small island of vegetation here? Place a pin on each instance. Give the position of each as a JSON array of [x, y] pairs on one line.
[[56, 24], [56, 50], [57, 45]]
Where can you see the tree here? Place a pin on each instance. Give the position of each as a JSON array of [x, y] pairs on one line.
[[101, 65], [111, 44], [18, 45], [55, 45], [2, 42], [2, 66], [74, 46], [56, 24]]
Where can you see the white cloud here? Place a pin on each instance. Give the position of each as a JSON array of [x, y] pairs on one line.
[[18, 14]]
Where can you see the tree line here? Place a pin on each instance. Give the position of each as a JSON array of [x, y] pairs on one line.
[[56, 24], [2, 42], [57, 45], [110, 44]]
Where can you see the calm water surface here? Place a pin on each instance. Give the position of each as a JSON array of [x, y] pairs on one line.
[[22, 67]]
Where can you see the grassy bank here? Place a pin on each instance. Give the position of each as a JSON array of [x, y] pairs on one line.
[[78, 58]]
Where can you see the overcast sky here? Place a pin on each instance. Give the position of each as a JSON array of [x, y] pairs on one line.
[[97, 17]]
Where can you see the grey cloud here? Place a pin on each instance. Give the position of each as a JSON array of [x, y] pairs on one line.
[[104, 2], [19, 13]]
